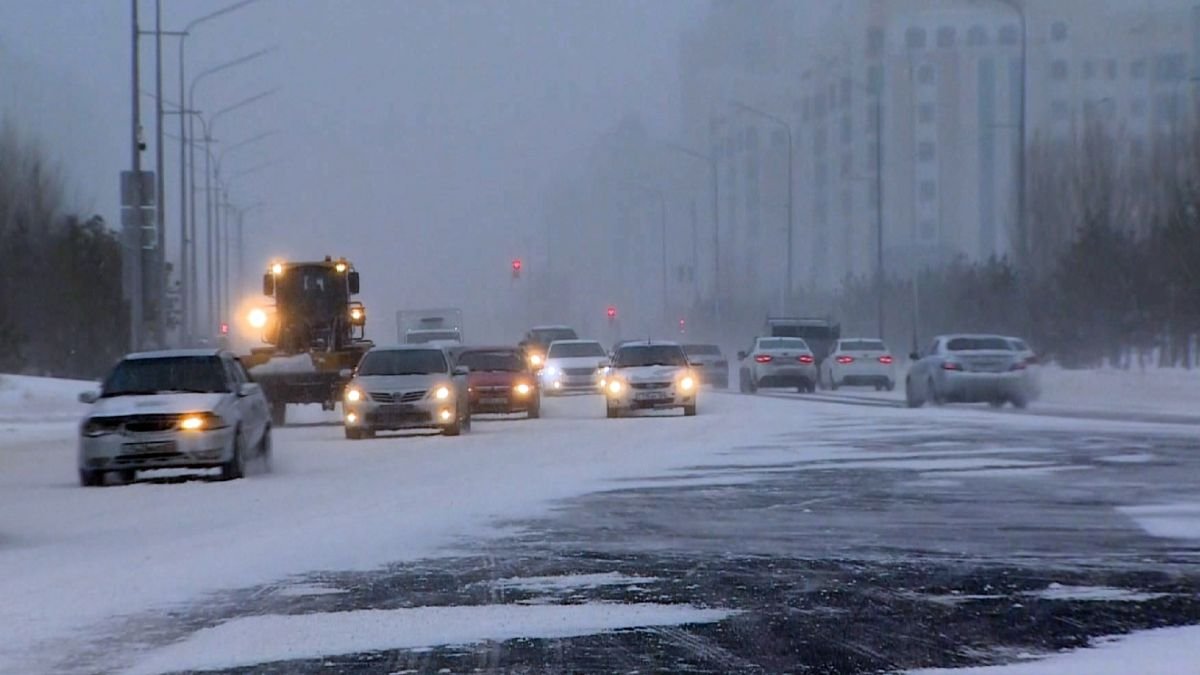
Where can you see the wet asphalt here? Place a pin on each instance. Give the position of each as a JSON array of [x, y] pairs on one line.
[[831, 566]]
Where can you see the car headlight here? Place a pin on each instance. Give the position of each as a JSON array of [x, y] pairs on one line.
[[615, 386], [196, 422], [535, 359], [523, 389], [353, 395], [687, 383], [441, 393], [99, 426], [551, 371]]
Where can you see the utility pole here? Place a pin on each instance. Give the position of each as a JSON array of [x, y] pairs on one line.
[[134, 226], [879, 281], [160, 251]]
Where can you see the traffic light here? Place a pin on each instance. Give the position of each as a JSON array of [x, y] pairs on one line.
[[224, 328], [683, 325], [516, 268], [611, 312]]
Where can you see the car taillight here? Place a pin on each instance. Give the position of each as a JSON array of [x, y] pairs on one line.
[[845, 359], [950, 365], [1019, 365], [764, 358], [805, 358], [886, 360]]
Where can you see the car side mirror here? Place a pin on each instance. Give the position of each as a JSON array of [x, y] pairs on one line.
[[268, 284], [345, 373], [247, 389], [742, 356], [462, 371], [354, 282], [914, 357], [89, 397]]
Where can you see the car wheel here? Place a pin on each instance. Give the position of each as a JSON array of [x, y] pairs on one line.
[[453, 429], [1019, 401], [127, 475], [833, 383], [910, 396], [466, 425], [613, 412], [236, 466], [935, 397], [891, 385], [89, 478], [689, 410], [751, 385], [264, 450]]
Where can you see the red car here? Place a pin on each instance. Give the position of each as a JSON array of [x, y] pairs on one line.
[[500, 380]]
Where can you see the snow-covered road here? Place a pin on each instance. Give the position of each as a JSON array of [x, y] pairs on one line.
[[750, 476]]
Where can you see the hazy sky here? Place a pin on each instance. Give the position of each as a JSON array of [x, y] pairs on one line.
[[413, 137]]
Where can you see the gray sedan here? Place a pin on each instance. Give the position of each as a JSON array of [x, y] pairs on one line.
[[967, 369]]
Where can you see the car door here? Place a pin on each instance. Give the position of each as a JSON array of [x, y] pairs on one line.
[[252, 407]]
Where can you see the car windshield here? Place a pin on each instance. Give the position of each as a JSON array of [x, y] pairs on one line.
[[863, 346], [633, 356], [772, 344], [1019, 345], [204, 374], [403, 362], [570, 350], [702, 350], [545, 336], [509, 361], [974, 344]]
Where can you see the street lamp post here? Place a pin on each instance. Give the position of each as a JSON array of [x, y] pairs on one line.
[[716, 216], [791, 230], [1022, 232]]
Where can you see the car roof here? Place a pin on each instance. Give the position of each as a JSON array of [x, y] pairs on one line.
[[551, 327], [578, 341], [649, 343], [174, 353], [464, 349], [408, 348], [701, 344], [973, 336]]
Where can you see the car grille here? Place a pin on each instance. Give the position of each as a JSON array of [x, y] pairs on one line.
[[496, 389], [141, 424], [579, 371], [399, 397], [650, 385]]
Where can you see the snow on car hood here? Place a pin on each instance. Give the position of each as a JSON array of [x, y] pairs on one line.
[[650, 373], [393, 383], [155, 404]]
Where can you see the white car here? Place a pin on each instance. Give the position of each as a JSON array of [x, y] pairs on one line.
[[650, 376], [573, 366], [406, 387], [1033, 376], [778, 362], [859, 362], [967, 369], [178, 409]]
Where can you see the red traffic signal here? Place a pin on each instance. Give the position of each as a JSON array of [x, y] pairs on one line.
[[683, 325], [612, 312], [224, 328], [516, 267]]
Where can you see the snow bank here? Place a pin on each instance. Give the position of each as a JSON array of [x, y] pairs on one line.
[[574, 582], [41, 399], [261, 639], [1157, 390], [1170, 521], [1164, 651]]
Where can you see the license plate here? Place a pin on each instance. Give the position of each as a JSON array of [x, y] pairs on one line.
[[493, 401], [653, 396], [147, 448]]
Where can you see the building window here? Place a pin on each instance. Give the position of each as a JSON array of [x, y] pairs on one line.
[[1138, 107], [926, 151], [819, 106], [925, 113], [925, 74], [976, 36], [845, 92], [1058, 70], [806, 109], [875, 79], [914, 38], [945, 37], [1170, 68], [847, 129], [1110, 69], [847, 203], [1137, 69], [779, 139], [928, 230], [874, 41], [1060, 110], [872, 119], [1009, 35], [928, 190], [1058, 31], [847, 165], [1089, 70]]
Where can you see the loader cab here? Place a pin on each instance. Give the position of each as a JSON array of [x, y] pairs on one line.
[[313, 306]]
